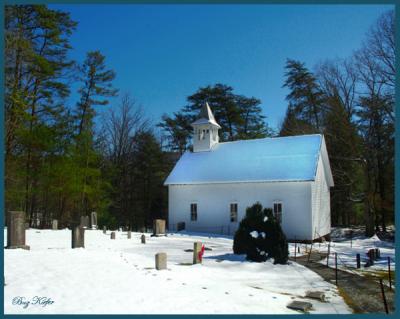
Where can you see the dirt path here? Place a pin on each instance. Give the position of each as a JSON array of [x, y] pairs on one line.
[[362, 294]]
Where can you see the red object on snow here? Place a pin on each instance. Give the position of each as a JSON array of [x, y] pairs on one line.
[[201, 253]]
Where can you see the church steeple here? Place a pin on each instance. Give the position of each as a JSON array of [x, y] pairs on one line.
[[205, 130]]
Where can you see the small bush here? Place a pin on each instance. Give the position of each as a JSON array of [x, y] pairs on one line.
[[260, 236]]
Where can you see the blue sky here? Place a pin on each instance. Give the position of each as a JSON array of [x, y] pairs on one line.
[[163, 53]]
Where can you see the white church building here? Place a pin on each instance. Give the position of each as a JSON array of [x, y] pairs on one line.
[[210, 188]]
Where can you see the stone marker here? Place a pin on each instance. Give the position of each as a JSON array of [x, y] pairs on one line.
[[180, 226], [78, 236], [377, 254], [93, 220], [129, 234], [16, 230], [300, 305], [319, 295], [159, 227], [112, 235], [196, 251], [104, 229], [85, 221], [161, 261], [54, 224], [143, 239]]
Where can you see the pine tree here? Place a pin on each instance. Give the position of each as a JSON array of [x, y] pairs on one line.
[[96, 87], [305, 99], [37, 43]]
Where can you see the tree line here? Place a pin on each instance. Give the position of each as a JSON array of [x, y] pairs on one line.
[[63, 160], [352, 102]]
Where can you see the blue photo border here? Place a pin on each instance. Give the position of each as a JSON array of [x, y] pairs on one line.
[[288, 2]]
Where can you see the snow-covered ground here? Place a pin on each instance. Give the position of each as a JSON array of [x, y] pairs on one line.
[[347, 250], [118, 276]]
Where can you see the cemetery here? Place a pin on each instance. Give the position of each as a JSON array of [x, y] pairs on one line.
[[156, 273]]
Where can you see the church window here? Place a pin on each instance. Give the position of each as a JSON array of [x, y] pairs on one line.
[[193, 212], [234, 212], [278, 211]]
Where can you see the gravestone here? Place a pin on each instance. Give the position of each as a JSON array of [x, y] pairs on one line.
[[161, 261], [93, 220], [104, 229], [129, 234], [196, 253], [85, 221], [180, 226], [159, 227], [112, 235], [143, 239], [300, 306], [318, 295], [54, 224], [78, 236], [16, 230]]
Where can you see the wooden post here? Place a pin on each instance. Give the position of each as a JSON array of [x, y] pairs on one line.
[[390, 275], [384, 297], [329, 252], [336, 268], [309, 254], [358, 261], [351, 238]]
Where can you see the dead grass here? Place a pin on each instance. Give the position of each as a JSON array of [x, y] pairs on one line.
[[348, 300]]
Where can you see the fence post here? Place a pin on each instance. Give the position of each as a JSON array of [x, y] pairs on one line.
[[358, 261], [383, 296], [329, 252], [390, 275], [309, 254], [351, 238], [336, 268]]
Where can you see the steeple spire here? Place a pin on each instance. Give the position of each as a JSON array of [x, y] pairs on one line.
[[205, 130]]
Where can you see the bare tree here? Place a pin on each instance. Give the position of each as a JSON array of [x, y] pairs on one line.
[[120, 125]]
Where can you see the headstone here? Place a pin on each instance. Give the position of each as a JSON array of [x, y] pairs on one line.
[[129, 234], [112, 235], [161, 261], [78, 236], [180, 226], [16, 230], [85, 221], [371, 254], [196, 253], [319, 295], [159, 227], [93, 220], [300, 306], [143, 239], [54, 224], [104, 229], [377, 254]]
